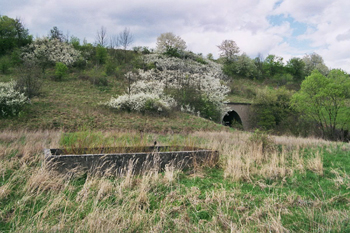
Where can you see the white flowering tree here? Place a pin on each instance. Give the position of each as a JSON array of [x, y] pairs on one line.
[[45, 52], [228, 49], [11, 100], [174, 83], [168, 41]]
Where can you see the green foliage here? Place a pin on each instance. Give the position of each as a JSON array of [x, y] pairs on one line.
[[271, 108], [322, 99], [75, 41], [190, 96], [55, 33], [242, 67], [5, 64], [200, 59], [282, 79], [96, 77], [60, 70], [101, 54], [296, 67], [12, 34], [172, 52], [111, 67], [272, 65]]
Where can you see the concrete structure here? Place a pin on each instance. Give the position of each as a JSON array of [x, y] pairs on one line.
[[237, 113], [117, 161]]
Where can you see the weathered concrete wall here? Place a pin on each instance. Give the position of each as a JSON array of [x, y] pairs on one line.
[[244, 112], [118, 163]]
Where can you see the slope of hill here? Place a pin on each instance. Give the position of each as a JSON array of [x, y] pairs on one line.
[[74, 104]]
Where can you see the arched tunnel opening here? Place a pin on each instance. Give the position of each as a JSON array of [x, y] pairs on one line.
[[232, 119]]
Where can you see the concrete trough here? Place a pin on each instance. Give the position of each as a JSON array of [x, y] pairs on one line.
[[118, 160]]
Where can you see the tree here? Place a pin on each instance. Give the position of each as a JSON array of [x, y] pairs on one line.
[[55, 33], [45, 52], [322, 99], [101, 37], [259, 61], [125, 39], [228, 49], [314, 61], [12, 34], [271, 108], [273, 65], [296, 67], [168, 41]]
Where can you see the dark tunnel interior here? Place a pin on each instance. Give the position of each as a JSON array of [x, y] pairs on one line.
[[232, 119]]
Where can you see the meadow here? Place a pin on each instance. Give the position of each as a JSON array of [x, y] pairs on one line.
[[261, 183]]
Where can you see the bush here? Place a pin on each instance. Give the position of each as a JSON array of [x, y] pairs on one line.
[[197, 103], [45, 52], [29, 80], [172, 52], [271, 108], [11, 100], [5, 64], [110, 67], [101, 54], [60, 70], [141, 102]]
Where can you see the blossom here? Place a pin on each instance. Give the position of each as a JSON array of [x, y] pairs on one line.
[[174, 74], [11, 100], [43, 50]]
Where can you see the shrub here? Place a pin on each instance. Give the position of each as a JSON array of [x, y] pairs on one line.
[[141, 102], [110, 67], [11, 100], [101, 54], [44, 53], [271, 108], [29, 80], [5, 64], [187, 83], [60, 70]]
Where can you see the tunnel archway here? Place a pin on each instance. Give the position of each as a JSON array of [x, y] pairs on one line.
[[232, 119]]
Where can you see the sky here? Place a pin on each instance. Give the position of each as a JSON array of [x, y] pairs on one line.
[[285, 28]]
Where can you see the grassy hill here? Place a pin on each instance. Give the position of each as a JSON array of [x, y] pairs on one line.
[[74, 104]]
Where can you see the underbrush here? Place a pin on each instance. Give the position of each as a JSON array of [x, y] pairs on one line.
[[292, 184]]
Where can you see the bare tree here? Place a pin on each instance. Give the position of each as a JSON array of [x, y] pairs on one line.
[[101, 37], [113, 42], [125, 39], [113, 45]]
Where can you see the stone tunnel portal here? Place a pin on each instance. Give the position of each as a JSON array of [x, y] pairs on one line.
[[232, 119]]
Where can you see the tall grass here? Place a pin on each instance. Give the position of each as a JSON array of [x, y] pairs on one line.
[[288, 186]]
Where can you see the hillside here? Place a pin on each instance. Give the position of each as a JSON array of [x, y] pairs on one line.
[[74, 104]]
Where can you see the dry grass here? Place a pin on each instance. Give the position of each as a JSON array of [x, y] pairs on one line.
[[44, 201]]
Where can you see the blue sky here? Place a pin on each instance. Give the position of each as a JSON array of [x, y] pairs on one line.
[[287, 28]]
